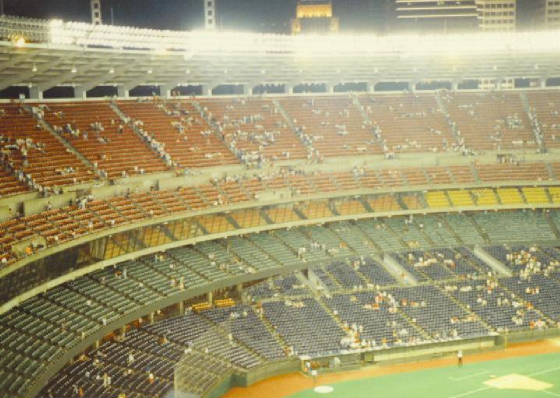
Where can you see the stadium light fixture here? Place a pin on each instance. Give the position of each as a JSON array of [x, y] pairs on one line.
[[19, 42], [453, 46]]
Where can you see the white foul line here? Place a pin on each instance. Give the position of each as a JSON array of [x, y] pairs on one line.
[[530, 375], [469, 376]]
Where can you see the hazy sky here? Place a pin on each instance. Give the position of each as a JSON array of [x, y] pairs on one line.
[[255, 15]]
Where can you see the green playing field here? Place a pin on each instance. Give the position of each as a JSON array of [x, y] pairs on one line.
[[536, 376]]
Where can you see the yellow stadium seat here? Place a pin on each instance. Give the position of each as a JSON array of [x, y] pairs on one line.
[[535, 195], [350, 207], [437, 199], [484, 197], [460, 198], [282, 214], [384, 203], [510, 196], [554, 194]]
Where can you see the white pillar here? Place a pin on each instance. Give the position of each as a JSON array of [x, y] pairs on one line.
[[122, 91], [454, 85], [165, 90], [96, 12], [35, 93], [288, 88], [209, 14], [206, 89], [80, 92], [330, 88], [543, 82]]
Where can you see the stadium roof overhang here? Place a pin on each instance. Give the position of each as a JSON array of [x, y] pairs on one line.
[[58, 54]]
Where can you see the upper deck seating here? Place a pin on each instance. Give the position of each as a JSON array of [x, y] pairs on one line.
[[96, 131], [186, 135], [333, 125], [491, 120], [256, 128], [36, 152], [546, 107], [409, 122]]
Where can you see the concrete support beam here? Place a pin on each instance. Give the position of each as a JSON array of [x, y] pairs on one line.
[[210, 297], [454, 85], [181, 307], [542, 82], [288, 88], [151, 317]]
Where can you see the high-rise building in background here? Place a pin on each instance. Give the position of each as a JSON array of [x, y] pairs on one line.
[[457, 15], [550, 13], [496, 15], [436, 15], [314, 16]]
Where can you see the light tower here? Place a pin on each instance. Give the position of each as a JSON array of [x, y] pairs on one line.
[[96, 12], [209, 14]]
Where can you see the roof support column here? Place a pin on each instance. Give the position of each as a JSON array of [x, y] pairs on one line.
[[122, 91], [80, 92], [542, 82], [35, 93], [206, 90], [165, 90], [454, 85], [288, 88]]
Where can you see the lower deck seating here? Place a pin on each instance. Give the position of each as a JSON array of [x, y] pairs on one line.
[[437, 314], [40, 330], [304, 325]]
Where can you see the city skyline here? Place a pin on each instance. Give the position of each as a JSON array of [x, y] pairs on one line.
[[247, 15]]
